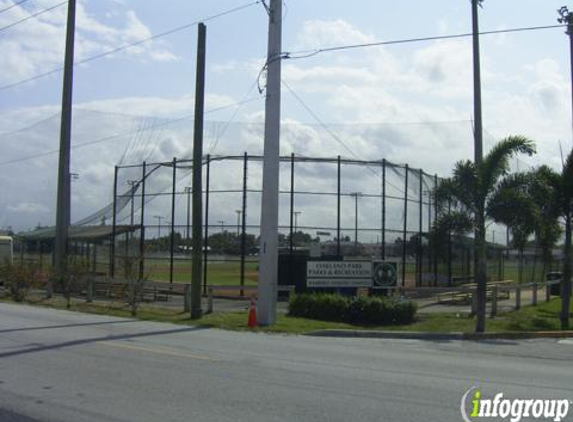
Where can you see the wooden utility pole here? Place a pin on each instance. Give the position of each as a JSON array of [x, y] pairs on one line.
[[268, 256], [63, 213], [196, 274]]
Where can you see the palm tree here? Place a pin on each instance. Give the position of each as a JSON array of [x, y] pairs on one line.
[[469, 192], [562, 207], [513, 204]]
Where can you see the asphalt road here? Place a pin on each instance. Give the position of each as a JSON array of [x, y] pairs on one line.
[[57, 366]]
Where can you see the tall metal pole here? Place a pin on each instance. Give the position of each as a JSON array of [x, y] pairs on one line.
[[113, 225], [420, 227], [195, 290], [567, 17], [291, 240], [338, 187], [172, 237], [296, 214], [480, 269], [238, 212], [405, 227], [63, 213], [268, 258], [244, 222], [188, 191], [206, 236], [383, 246], [142, 222], [356, 195]]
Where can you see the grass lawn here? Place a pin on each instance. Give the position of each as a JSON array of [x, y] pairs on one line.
[[544, 317]]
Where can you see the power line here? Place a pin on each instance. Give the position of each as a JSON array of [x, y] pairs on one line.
[[310, 53], [331, 133], [122, 135], [27, 18], [18, 3], [235, 113], [134, 44]]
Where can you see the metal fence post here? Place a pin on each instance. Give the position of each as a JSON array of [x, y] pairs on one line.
[[404, 231], [114, 225], [474, 301], [187, 298], [534, 293], [338, 251], [518, 297], [420, 228], [172, 237], [435, 255], [449, 247], [90, 281], [494, 291], [383, 245], [206, 240], [244, 221], [142, 223]]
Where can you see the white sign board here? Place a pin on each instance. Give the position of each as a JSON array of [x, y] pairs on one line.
[[339, 274]]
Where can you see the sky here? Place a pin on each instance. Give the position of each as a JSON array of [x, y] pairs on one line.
[[408, 103]]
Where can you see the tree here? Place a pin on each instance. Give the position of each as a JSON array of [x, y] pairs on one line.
[[561, 206], [513, 204], [464, 199]]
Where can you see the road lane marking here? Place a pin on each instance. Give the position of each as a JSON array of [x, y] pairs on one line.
[[156, 351], [568, 341]]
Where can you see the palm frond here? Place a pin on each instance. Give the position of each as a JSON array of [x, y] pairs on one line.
[[496, 162]]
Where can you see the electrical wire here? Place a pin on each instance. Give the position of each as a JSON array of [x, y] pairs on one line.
[[331, 133], [18, 3], [134, 44], [302, 54], [122, 135], [34, 15], [232, 119]]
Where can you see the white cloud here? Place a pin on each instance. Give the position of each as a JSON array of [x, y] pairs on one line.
[[320, 33], [30, 49]]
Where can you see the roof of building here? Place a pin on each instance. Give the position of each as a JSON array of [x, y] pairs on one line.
[[85, 233]]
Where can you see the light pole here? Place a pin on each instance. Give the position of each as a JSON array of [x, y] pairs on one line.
[[356, 195], [567, 17], [188, 191], [132, 184], [159, 218], [222, 223], [296, 214], [239, 212]]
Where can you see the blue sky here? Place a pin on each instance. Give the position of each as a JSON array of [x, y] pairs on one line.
[[373, 91]]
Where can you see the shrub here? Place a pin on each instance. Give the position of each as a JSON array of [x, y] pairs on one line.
[[19, 279], [359, 310]]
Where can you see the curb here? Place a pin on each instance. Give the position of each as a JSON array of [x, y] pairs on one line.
[[439, 336]]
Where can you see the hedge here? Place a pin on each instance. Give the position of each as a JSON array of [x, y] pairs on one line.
[[354, 310]]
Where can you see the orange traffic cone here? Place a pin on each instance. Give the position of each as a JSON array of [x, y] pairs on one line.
[[253, 314]]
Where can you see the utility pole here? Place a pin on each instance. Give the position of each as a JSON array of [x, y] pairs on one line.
[[63, 212], [480, 268], [222, 223], [197, 270], [567, 17], [268, 256]]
